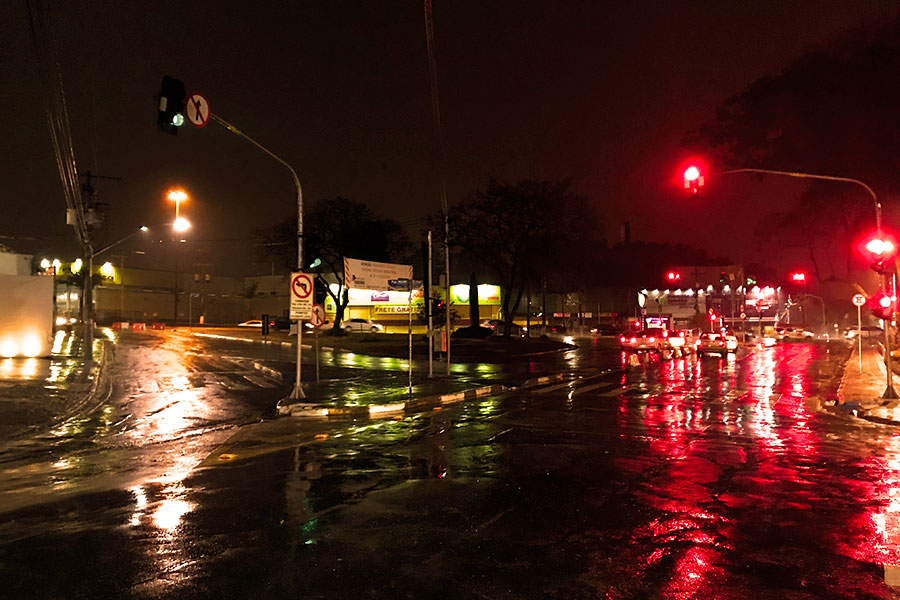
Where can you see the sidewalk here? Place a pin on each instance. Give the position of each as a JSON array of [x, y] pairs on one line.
[[862, 387]]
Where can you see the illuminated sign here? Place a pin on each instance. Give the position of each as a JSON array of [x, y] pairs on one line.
[[487, 294]]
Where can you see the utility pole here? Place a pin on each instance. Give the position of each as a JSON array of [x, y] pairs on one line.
[[436, 115]]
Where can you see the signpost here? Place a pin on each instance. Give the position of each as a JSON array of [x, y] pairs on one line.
[[317, 319], [858, 301], [301, 310]]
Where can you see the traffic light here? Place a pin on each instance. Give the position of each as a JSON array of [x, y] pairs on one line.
[[723, 277], [169, 115], [881, 251], [673, 277], [882, 305], [798, 278], [693, 180]]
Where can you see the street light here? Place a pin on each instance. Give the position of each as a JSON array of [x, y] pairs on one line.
[[697, 172], [181, 224], [177, 196]]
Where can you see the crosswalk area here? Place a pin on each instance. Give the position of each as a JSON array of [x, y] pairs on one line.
[[611, 385]]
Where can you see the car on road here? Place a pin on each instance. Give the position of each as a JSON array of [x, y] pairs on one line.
[[716, 343], [497, 326], [680, 338], [357, 324], [866, 332], [652, 338], [794, 333], [609, 330], [251, 323]]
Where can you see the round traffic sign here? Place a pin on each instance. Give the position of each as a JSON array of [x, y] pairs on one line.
[[318, 315], [859, 299], [197, 110], [301, 286]]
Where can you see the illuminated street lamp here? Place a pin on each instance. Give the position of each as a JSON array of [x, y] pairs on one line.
[[177, 196], [181, 224]]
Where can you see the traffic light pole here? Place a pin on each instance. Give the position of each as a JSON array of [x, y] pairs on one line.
[[297, 393], [889, 392]]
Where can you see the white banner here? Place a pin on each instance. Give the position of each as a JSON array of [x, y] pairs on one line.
[[371, 275]]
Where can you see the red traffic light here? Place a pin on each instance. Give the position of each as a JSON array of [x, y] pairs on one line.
[[693, 180], [712, 316], [673, 276], [798, 277], [881, 247], [882, 305]]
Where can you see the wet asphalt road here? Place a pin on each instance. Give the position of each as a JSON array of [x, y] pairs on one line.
[[673, 479]]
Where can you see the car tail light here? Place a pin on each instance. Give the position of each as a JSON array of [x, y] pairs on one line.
[[633, 340], [622, 339], [651, 340]]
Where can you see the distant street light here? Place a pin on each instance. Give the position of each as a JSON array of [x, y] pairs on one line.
[[177, 196], [181, 224]]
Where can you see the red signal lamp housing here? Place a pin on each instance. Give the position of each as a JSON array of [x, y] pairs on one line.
[[798, 277], [693, 180]]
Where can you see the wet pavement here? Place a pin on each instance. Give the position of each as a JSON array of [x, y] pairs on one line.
[[682, 478]]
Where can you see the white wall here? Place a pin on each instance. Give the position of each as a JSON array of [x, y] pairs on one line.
[[26, 315], [15, 264]]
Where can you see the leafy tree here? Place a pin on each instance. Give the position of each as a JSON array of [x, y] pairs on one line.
[[523, 232], [833, 112], [332, 230]]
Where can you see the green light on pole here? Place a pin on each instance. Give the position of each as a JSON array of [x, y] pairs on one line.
[[178, 120]]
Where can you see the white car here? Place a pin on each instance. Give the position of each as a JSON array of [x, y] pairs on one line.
[[252, 323], [351, 325], [716, 343]]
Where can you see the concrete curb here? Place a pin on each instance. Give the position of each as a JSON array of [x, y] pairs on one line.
[[542, 380], [307, 410], [232, 338]]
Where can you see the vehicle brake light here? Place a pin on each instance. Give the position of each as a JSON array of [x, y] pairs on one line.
[[622, 339], [633, 340], [651, 340]]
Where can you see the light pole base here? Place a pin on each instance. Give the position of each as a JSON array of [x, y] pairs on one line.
[[297, 393], [890, 393]]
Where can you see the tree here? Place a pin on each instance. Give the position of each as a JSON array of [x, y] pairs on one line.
[[524, 232], [332, 230], [833, 112]]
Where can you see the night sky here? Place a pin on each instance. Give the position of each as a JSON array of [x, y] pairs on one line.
[[599, 92]]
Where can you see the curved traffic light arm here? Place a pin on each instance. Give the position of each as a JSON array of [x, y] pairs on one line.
[[824, 177]]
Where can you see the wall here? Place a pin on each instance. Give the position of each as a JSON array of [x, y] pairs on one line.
[[26, 315]]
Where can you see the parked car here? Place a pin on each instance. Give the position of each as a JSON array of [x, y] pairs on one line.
[[497, 326], [716, 343], [280, 323], [652, 338], [358, 324]]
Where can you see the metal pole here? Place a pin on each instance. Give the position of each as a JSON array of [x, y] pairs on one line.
[[409, 313], [87, 313], [297, 392], [430, 316], [859, 335]]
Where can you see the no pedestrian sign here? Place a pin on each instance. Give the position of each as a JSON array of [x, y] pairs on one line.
[[301, 296]]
